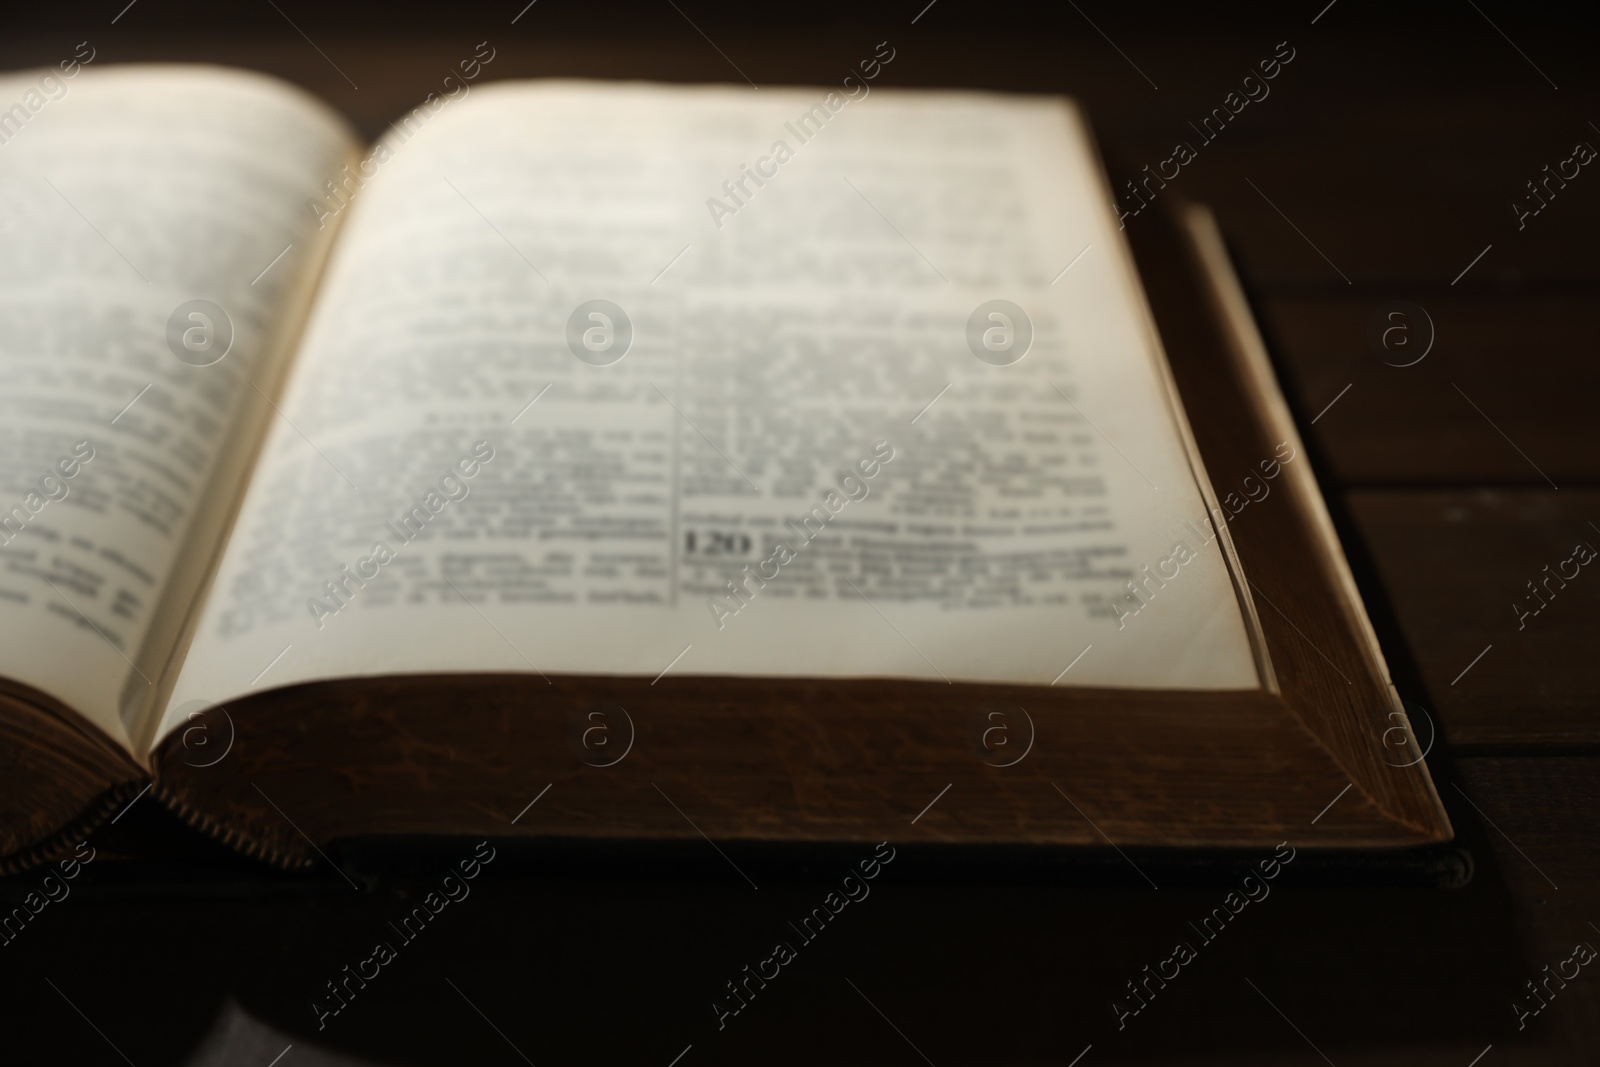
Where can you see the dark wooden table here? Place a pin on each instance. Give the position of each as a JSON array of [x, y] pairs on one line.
[[1383, 166]]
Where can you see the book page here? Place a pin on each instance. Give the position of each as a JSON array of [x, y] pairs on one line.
[[140, 208], [647, 381]]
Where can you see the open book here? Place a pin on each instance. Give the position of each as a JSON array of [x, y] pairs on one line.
[[759, 464]]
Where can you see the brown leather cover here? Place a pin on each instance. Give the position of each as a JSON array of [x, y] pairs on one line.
[[852, 760]]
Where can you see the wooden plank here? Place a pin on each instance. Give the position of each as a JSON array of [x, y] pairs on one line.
[[1535, 822], [1454, 564], [971, 968], [1497, 399], [1396, 163]]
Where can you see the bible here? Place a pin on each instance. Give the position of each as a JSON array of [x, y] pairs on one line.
[[586, 460]]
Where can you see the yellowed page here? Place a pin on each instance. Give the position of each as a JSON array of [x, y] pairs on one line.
[[126, 194], [474, 488]]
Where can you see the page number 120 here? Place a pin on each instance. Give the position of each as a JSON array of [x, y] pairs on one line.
[[715, 543]]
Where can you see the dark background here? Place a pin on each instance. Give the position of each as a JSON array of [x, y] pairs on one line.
[[1396, 142]]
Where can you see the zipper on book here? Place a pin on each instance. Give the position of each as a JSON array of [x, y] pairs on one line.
[[64, 840], [231, 836]]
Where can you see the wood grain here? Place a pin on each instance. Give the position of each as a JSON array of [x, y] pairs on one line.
[[1455, 564], [972, 966], [1494, 401], [1396, 151]]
